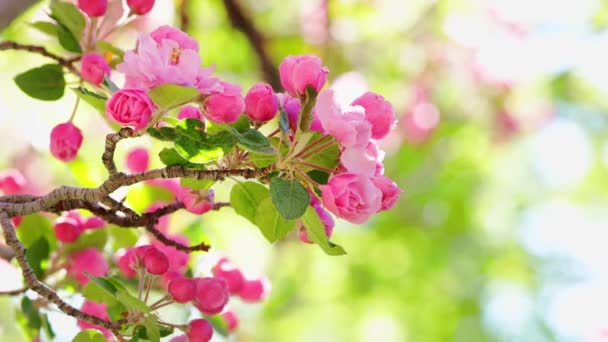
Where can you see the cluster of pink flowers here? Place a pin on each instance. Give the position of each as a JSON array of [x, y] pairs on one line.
[[69, 226]]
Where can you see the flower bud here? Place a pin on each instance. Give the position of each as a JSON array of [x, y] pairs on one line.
[[155, 261], [65, 141], [228, 271], [197, 201], [130, 107], [93, 68], [378, 112], [199, 330], [182, 289], [88, 260], [127, 263], [12, 182], [390, 191], [261, 104], [98, 310], [93, 223], [189, 112], [67, 229], [211, 295], [232, 321], [93, 8], [140, 7], [299, 72], [138, 160], [225, 106], [255, 290]]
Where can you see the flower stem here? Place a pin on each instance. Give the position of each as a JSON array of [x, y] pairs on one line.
[[317, 149], [75, 109], [307, 178], [318, 167], [313, 144]]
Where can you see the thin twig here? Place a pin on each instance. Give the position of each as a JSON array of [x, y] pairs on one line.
[[13, 292], [67, 63], [111, 141]]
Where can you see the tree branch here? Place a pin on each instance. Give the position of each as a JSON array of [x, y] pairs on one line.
[[67, 63], [111, 141]]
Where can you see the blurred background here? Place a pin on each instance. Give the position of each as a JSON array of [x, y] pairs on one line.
[[501, 149]]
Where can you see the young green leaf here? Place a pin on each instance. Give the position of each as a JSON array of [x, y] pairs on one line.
[[152, 331], [69, 16], [196, 184], [170, 157], [316, 232], [67, 39], [262, 160], [107, 82], [31, 313], [96, 101], [163, 133], [37, 254], [130, 302], [271, 224], [245, 198], [168, 96], [196, 146], [89, 335], [252, 140], [45, 27], [43, 83], [289, 197]]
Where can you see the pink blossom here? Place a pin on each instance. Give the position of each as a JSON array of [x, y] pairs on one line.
[[261, 104], [225, 106], [183, 40], [326, 219], [93, 8], [197, 201], [67, 229], [182, 289], [360, 160], [12, 181], [228, 271], [65, 141], [130, 107], [87, 260], [350, 128], [378, 112], [298, 72], [390, 191], [163, 221], [352, 197], [155, 261], [140, 7], [138, 160], [292, 106], [178, 260], [199, 330], [255, 290], [211, 295], [98, 310], [93, 68], [152, 64], [232, 321], [93, 223], [190, 112], [127, 263]]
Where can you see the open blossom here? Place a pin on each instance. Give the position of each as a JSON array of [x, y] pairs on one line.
[[366, 161], [261, 104], [183, 40], [378, 112], [130, 107], [349, 127], [152, 63], [140, 7], [93, 68], [351, 196], [225, 106], [299, 72], [87, 260], [390, 191], [65, 141]]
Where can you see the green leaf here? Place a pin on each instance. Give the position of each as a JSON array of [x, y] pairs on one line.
[[97, 293], [130, 302], [284, 122], [69, 16], [316, 232], [241, 125], [196, 146], [302, 141], [37, 254], [196, 184], [262, 160], [89, 335], [152, 331], [43, 83], [245, 198], [48, 329], [219, 324], [318, 176], [252, 140], [141, 197], [107, 82], [95, 238], [45, 27], [31, 312], [104, 283], [35, 226], [163, 133], [168, 96], [67, 39], [271, 224], [97, 101], [122, 237], [163, 331], [170, 157], [289, 197], [328, 157]]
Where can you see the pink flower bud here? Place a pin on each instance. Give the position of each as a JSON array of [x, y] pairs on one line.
[[378, 112], [255, 290], [390, 191], [328, 224], [197, 201], [93, 68], [211, 295], [182, 289], [183, 40], [178, 260], [292, 107], [232, 321], [199, 330], [127, 263], [67, 229], [168, 277], [352, 197], [140, 7], [190, 112], [228, 271], [155, 261], [98, 310], [225, 106], [261, 104], [130, 107], [87, 260], [298, 72], [93, 8], [314, 200], [12, 182], [65, 141], [93, 223], [138, 160]]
